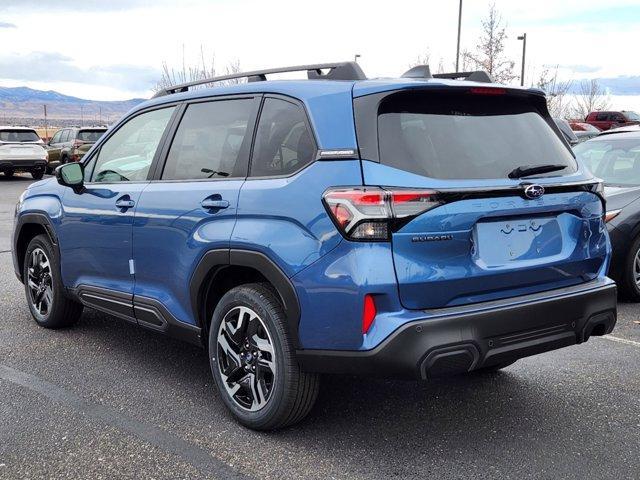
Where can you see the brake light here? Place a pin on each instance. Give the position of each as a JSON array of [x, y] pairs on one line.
[[368, 313], [370, 213], [487, 91]]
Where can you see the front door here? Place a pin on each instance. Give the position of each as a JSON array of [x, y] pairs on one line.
[[96, 224]]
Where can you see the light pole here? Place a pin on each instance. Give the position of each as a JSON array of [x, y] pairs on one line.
[[523, 37], [356, 57], [459, 28]]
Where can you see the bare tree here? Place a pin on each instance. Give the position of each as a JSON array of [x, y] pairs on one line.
[[591, 97], [489, 54], [556, 90], [425, 59], [206, 68]]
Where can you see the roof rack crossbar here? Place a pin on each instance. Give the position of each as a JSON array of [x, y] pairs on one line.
[[337, 71]]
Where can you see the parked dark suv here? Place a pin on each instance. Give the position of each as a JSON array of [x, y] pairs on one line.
[[410, 227], [70, 144]]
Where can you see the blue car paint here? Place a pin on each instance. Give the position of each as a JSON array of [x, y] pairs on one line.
[[172, 231], [95, 236], [284, 218]]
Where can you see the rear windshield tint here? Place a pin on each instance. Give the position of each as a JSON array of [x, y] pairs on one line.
[[18, 136], [466, 136], [91, 136]]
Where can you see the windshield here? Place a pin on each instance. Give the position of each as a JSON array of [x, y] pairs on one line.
[[633, 116], [616, 160], [90, 136], [19, 136], [465, 136]]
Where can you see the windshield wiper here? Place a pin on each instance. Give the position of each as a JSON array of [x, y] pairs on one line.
[[528, 170], [213, 172]]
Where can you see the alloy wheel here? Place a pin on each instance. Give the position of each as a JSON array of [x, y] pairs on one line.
[[40, 282], [636, 268], [246, 358]]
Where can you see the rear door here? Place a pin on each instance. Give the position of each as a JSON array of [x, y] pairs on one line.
[[190, 206], [486, 235]]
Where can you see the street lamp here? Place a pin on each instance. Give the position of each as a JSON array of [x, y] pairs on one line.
[[459, 28], [356, 57], [523, 37]]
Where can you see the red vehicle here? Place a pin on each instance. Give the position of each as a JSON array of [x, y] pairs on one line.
[[607, 120]]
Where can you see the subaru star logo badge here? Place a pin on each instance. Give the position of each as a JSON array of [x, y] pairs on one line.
[[533, 191]]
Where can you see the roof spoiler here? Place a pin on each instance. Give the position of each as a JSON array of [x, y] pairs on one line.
[[336, 71], [423, 71]]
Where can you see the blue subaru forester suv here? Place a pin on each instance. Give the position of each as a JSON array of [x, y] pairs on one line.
[[414, 227]]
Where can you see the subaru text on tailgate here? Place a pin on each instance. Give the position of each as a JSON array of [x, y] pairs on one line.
[[414, 227]]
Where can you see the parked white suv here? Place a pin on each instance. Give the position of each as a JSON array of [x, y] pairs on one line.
[[22, 150]]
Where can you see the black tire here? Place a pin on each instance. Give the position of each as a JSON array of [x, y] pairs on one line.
[[37, 174], [293, 392], [61, 311], [63, 159], [8, 173], [629, 289], [492, 368]]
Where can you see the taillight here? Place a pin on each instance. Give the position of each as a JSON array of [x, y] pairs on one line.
[[371, 213], [611, 214]]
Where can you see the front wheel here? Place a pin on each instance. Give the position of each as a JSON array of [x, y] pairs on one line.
[[630, 282], [49, 306], [253, 360]]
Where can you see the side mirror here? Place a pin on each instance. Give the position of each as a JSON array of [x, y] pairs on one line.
[[71, 175]]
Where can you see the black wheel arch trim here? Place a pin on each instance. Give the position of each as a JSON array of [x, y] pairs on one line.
[[32, 218], [213, 263]]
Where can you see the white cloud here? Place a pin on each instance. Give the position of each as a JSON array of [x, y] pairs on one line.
[[284, 32]]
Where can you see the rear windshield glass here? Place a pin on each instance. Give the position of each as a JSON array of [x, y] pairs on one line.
[[466, 136], [18, 136], [90, 135]]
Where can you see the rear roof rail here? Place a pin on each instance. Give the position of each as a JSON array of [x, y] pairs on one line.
[[337, 71], [423, 71]]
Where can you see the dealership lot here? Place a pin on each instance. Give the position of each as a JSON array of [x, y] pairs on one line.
[[107, 399]]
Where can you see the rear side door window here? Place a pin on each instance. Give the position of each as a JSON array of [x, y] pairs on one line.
[[284, 143], [211, 141], [128, 153]]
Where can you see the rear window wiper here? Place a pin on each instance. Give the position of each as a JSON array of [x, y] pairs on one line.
[[528, 170]]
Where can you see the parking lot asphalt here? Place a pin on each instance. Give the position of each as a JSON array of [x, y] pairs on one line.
[[105, 399]]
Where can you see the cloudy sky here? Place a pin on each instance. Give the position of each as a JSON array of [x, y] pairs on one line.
[[114, 49]]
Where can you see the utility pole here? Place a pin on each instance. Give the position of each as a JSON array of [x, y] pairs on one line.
[[356, 57], [459, 30], [46, 133], [523, 37], [100, 115], [82, 115]]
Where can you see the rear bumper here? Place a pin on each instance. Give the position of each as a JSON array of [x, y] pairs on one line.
[[480, 335], [22, 164]]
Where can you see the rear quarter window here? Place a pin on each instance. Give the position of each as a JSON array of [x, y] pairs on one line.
[[465, 136]]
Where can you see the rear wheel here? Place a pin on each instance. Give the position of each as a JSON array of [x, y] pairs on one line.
[[253, 361], [630, 281], [49, 306], [37, 174], [8, 173]]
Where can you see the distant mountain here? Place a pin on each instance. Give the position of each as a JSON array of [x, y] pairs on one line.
[[17, 103]]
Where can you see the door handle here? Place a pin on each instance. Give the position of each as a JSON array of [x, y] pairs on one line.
[[125, 202], [214, 203]]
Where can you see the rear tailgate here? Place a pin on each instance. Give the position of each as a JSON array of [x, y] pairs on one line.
[[484, 238], [20, 151]]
